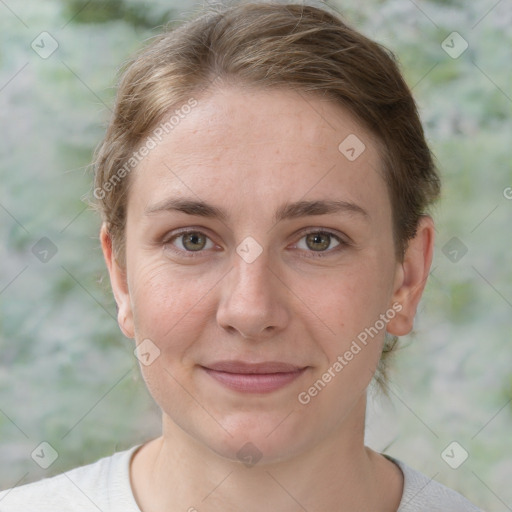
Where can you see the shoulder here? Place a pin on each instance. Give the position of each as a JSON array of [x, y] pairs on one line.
[[103, 485], [423, 493]]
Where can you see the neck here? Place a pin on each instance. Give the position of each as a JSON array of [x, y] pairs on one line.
[[175, 472]]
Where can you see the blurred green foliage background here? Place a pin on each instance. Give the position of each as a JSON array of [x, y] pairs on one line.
[[67, 375]]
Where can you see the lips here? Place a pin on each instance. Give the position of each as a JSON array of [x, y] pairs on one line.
[[254, 377], [261, 368]]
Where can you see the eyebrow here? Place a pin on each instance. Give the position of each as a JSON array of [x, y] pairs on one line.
[[287, 211]]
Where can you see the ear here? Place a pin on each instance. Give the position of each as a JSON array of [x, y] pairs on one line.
[[119, 284], [411, 277]]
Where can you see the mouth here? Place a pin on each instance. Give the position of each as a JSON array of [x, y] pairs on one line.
[[254, 377]]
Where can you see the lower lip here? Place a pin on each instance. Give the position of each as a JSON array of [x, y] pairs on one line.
[[254, 382]]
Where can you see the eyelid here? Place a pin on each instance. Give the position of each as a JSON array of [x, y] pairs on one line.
[[341, 237], [175, 233]]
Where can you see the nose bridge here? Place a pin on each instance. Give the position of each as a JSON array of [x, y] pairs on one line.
[[251, 302], [252, 279]]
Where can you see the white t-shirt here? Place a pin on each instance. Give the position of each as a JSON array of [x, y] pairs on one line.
[[105, 486]]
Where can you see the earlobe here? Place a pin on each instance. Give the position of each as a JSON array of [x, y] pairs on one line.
[[118, 281], [411, 277]]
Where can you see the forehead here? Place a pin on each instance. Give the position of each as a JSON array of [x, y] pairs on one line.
[[262, 146]]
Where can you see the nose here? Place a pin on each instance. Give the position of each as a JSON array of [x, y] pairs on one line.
[[253, 300]]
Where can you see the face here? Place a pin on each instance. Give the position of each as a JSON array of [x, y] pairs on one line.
[[258, 254]]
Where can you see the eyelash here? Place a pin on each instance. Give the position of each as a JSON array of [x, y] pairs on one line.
[[313, 254]]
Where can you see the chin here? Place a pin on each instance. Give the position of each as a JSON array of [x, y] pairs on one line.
[[260, 438]]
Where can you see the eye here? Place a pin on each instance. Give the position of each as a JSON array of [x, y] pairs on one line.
[[320, 242], [189, 241]]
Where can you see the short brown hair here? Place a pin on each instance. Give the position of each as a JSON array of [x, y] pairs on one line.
[[271, 45]]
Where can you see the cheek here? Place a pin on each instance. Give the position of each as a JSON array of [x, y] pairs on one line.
[[169, 305], [170, 309], [352, 310], [357, 297], [352, 307]]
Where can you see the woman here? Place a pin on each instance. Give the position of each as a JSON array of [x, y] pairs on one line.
[[264, 185]]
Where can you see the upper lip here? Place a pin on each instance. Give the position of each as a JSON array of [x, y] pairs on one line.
[[244, 367]]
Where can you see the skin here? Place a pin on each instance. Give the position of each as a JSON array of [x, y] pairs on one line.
[[303, 300]]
